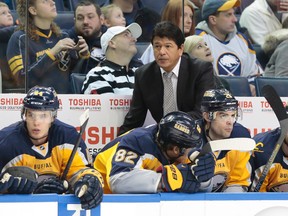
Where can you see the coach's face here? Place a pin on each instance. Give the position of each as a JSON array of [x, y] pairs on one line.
[[166, 52]]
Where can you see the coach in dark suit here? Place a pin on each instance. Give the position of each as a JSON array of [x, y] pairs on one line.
[[191, 78]]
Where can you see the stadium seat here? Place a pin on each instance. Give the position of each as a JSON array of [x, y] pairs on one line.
[[141, 47], [65, 19], [73, 3], [261, 56], [77, 80], [157, 6], [279, 84], [238, 86]]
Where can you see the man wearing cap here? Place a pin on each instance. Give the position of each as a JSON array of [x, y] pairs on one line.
[[114, 75], [233, 53]]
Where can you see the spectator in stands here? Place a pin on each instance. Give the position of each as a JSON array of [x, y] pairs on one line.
[[261, 18], [173, 13], [276, 46], [51, 52], [89, 25], [135, 11], [7, 29], [196, 47], [113, 16], [154, 159], [233, 54], [114, 75], [190, 79], [6, 18]]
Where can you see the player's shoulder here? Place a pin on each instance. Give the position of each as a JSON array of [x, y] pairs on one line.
[[11, 132], [63, 127], [240, 131], [140, 136], [268, 136]]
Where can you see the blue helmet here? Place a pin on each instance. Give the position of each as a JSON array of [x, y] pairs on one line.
[[180, 129], [41, 98], [218, 100]]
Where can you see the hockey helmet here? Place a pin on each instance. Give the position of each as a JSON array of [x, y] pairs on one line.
[[180, 129], [218, 100], [41, 98]]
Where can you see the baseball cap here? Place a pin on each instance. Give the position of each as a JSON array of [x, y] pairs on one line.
[[134, 28], [212, 6]]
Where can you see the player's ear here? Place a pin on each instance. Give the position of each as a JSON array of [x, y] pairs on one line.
[[206, 116]]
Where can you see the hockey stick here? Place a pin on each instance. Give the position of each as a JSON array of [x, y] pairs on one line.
[[240, 144], [83, 123], [275, 102]]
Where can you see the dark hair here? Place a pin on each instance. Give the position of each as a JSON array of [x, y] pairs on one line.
[[214, 14], [169, 30], [88, 3]]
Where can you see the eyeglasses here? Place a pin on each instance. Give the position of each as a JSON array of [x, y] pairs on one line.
[[38, 116]]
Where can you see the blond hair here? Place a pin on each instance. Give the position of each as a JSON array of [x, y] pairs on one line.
[[2, 4], [106, 10], [191, 42]]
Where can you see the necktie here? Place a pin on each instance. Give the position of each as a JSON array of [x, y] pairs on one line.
[[169, 103]]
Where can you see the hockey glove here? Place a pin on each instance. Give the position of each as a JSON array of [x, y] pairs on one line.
[[25, 180], [203, 166], [51, 185], [179, 178], [89, 190], [5, 182]]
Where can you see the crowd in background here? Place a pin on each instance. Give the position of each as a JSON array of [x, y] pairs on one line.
[[263, 30]]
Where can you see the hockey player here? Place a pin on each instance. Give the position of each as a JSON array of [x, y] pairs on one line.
[[44, 144], [149, 160], [277, 177], [220, 112]]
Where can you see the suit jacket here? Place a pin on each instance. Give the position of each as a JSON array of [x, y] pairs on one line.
[[195, 77]]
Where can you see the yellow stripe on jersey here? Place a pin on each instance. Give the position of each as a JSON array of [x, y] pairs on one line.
[[50, 55], [234, 166], [43, 35], [202, 33], [16, 64], [53, 165], [245, 41], [276, 177], [150, 162], [174, 177], [103, 163]]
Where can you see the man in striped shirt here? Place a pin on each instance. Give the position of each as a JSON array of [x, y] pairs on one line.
[[114, 75]]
